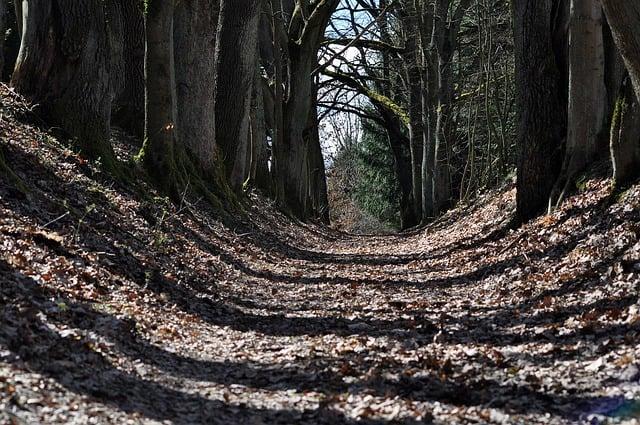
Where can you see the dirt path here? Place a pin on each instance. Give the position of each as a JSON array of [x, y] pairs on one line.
[[121, 308]]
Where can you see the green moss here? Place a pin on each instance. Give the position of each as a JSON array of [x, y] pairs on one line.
[[581, 182], [390, 105], [176, 173], [618, 112], [375, 97]]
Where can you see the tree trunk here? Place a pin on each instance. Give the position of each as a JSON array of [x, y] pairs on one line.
[[259, 158], [64, 67], [290, 155], [264, 120], [277, 134], [128, 111], [587, 94], [624, 20], [427, 101], [441, 168], [159, 151], [236, 59], [3, 29], [411, 59], [625, 137], [543, 113], [194, 37], [428, 160], [399, 145], [293, 155], [317, 172]]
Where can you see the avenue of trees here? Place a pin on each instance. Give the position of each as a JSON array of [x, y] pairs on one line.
[[232, 94]]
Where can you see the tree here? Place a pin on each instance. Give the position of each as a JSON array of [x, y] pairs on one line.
[[587, 93], [261, 119], [624, 20], [64, 67], [236, 61], [625, 136], [195, 24], [160, 151], [411, 60], [296, 44], [444, 41], [317, 177], [128, 108], [543, 111], [179, 148]]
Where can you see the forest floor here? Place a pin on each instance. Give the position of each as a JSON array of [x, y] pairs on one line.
[[119, 307]]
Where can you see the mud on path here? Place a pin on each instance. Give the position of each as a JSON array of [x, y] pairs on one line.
[[117, 306]]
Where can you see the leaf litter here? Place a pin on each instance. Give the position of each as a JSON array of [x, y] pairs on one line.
[[120, 307]]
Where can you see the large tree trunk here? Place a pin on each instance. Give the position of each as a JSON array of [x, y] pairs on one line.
[[64, 67], [128, 110], [542, 125], [428, 159], [159, 151], [587, 94], [414, 86], [261, 174], [236, 59], [625, 137], [442, 137], [259, 164], [428, 86], [399, 145], [305, 32], [195, 24], [624, 20], [292, 152], [277, 62], [318, 193]]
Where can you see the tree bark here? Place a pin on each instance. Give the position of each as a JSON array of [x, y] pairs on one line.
[[128, 110], [428, 90], [159, 151], [441, 168], [409, 16], [543, 113], [64, 67], [399, 145], [625, 137], [317, 173], [293, 153], [624, 20], [305, 32], [587, 94], [236, 59], [194, 33], [261, 121]]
